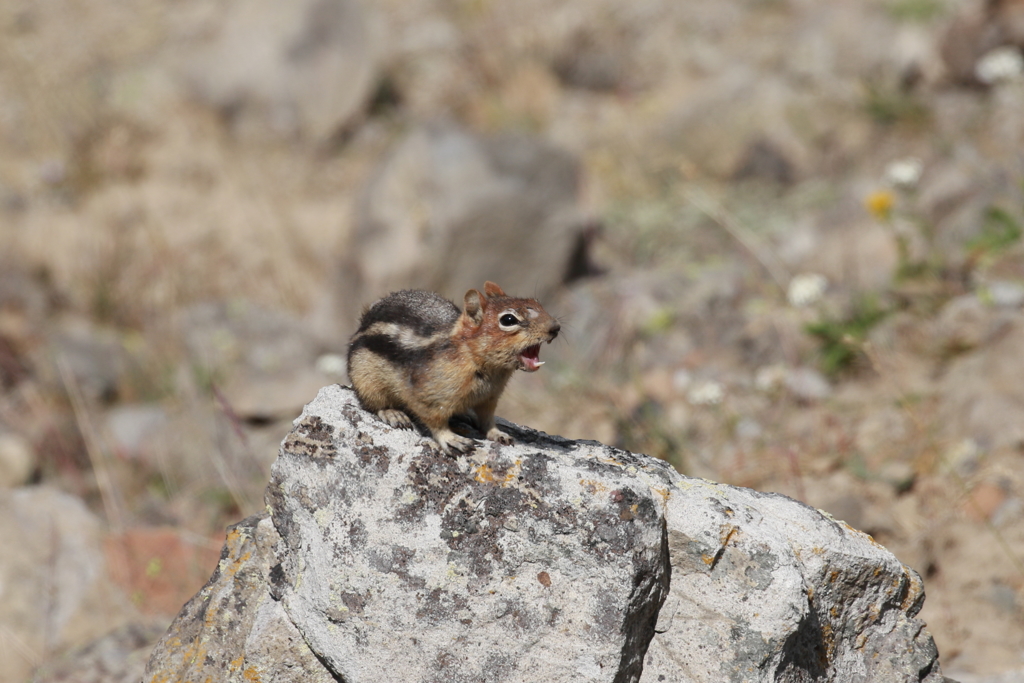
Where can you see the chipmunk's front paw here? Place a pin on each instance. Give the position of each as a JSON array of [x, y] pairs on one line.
[[494, 434], [395, 418], [452, 443]]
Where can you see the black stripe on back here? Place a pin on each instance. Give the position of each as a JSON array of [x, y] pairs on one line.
[[425, 313], [389, 349]]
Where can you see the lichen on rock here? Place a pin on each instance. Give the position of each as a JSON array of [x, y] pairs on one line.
[[382, 559]]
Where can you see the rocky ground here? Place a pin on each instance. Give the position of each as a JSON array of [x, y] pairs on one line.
[[784, 238]]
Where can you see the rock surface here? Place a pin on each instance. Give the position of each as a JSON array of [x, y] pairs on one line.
[[988, 410], [549, 560], [117, 657], [301, 68], [449, 209], [265, 358], [54, 591], [227, 630], [767, 589]]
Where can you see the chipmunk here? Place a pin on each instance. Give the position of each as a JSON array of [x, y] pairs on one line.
[[415, 355]]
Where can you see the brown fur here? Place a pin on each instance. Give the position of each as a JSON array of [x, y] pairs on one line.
[[459, 371]]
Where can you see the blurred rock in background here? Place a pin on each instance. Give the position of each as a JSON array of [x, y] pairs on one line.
[[305, 69], [56, 590], [447, 207]]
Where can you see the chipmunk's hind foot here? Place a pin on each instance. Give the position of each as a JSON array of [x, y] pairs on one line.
[[453, 444], [495, 434]]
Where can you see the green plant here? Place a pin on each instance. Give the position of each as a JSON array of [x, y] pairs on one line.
[[842, 338], [915, 10], [999, 230], [661, 321], [890, 105]]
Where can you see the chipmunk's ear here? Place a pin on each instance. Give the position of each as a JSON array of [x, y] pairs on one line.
[[491, 289], [475, 303]]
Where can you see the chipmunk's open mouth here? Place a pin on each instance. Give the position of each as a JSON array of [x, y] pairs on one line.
[[529, 360]]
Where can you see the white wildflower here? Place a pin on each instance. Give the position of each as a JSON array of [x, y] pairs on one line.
[[706, 394], [805, 289], [1006, 294], [769, 378], [1002, 64], [332, 364], [904, 172]]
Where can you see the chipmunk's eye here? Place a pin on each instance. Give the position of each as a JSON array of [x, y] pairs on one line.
[[508, 320]]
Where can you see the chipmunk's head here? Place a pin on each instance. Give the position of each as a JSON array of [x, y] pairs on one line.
[[507, 329]]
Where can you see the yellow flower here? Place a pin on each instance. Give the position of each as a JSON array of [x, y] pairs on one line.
[[880, 203]]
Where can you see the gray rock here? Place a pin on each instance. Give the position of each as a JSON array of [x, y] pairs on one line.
[[595, 60], [982, 394], [1012, 676], [807, 384], [544, 561], [767, 589], [880, 428], [118, 657], [263, 360], [558, 558], [131, 426], [448, 210], [220, 334], [296, 68], [899, 475], [953, 196], [269, 397], [762, 160], [54, 590], [232, 628], [964, 323], [20, 291], [611, 312], [91, 357]]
